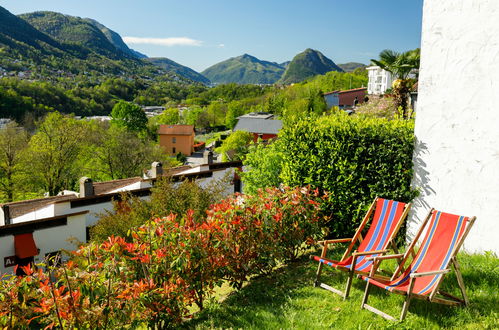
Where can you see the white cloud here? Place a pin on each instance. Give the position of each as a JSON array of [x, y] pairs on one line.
[[221, 46], [169, 42]]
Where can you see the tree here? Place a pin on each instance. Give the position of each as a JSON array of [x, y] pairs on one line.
[[263, 165], [53, 152], [116, 153], [13, 141], [130, 116], [235, 146], [400, 65]]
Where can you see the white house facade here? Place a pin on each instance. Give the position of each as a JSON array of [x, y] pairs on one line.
[[379, 80], [457, 125]]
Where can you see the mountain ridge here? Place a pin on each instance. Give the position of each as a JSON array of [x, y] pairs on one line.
[[244, 69], [307, 64]]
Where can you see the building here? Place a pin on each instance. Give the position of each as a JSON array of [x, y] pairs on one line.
[[456, 155], [345, 99], [262, 125], [379, 80], [32, 230], [176, 139]]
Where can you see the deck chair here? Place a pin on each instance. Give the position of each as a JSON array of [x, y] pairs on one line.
[[388, 217], [444, 236]]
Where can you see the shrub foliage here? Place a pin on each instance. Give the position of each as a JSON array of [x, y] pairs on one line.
[[167, 265], [353, 158]]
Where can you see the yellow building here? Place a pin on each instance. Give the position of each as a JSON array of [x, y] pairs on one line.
[[177, 138]]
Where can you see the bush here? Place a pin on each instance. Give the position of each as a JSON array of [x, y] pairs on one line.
[[166, 197], [235, 146], [165, 266], [353, 158]]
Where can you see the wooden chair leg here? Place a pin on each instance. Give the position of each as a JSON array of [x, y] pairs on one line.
[[318, 275], [407, 301], [366, 295], [460, 281], [349, 284], [405, 307]]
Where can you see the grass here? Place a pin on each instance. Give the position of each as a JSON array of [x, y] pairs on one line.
[[288, 300]]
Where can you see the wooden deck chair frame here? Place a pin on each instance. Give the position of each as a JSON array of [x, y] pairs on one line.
[[446, 298], [356, 238]]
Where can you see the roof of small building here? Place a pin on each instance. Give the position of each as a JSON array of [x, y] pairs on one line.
[[348, 91], [258, 125], [176, 129], [20, 208], [257, 115], [108, 186]]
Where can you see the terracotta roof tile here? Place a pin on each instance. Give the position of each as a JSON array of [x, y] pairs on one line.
[[176, 129]]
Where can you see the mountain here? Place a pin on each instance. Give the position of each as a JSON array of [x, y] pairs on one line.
[[244, 69], [17, 37], [78, 31], [307, 64], [138, 54], [350, 66], [285, 64], [115, 39], [179, 69]]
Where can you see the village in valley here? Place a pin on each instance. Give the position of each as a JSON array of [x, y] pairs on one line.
[[137, 192]]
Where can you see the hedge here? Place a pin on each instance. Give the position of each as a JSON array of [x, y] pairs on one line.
[[354, 158]]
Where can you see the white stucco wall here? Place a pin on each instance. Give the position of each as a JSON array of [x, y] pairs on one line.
[[47, 240], [457, 123]]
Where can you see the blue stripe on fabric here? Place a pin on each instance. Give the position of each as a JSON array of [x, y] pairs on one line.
[[382, 242], [447, 256], [421, 255]]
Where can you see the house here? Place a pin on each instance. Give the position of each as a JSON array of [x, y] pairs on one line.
[[345, 99], [379, 80], [262, 125], [456, 154], [176, 139], [32, 230]]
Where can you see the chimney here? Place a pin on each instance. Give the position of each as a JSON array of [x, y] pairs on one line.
[[86, 187], [208, 157], [6, 214], [156, 170]]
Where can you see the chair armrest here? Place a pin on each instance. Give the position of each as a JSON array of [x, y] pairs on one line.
[[390, 256], [366, 253], [436, 272], [338, 240]]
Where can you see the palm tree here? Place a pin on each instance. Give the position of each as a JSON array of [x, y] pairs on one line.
[[400, 65]]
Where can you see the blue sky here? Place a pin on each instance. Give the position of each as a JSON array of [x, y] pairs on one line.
[[199, 33]]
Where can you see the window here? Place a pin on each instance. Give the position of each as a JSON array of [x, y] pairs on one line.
[[174, 140], [174, 150]]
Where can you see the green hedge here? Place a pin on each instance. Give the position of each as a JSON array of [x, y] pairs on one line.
[[354, 158]]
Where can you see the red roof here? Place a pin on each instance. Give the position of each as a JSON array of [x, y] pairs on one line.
[[176, 129]]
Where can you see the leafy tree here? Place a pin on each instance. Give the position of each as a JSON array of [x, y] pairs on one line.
[[130, 116], [170, 116], [54, 151], [13, 141], [116, 153], [400, 65], [263, 165], [235, 146]]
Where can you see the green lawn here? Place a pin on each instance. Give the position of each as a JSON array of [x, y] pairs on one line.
[[287, 299]]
